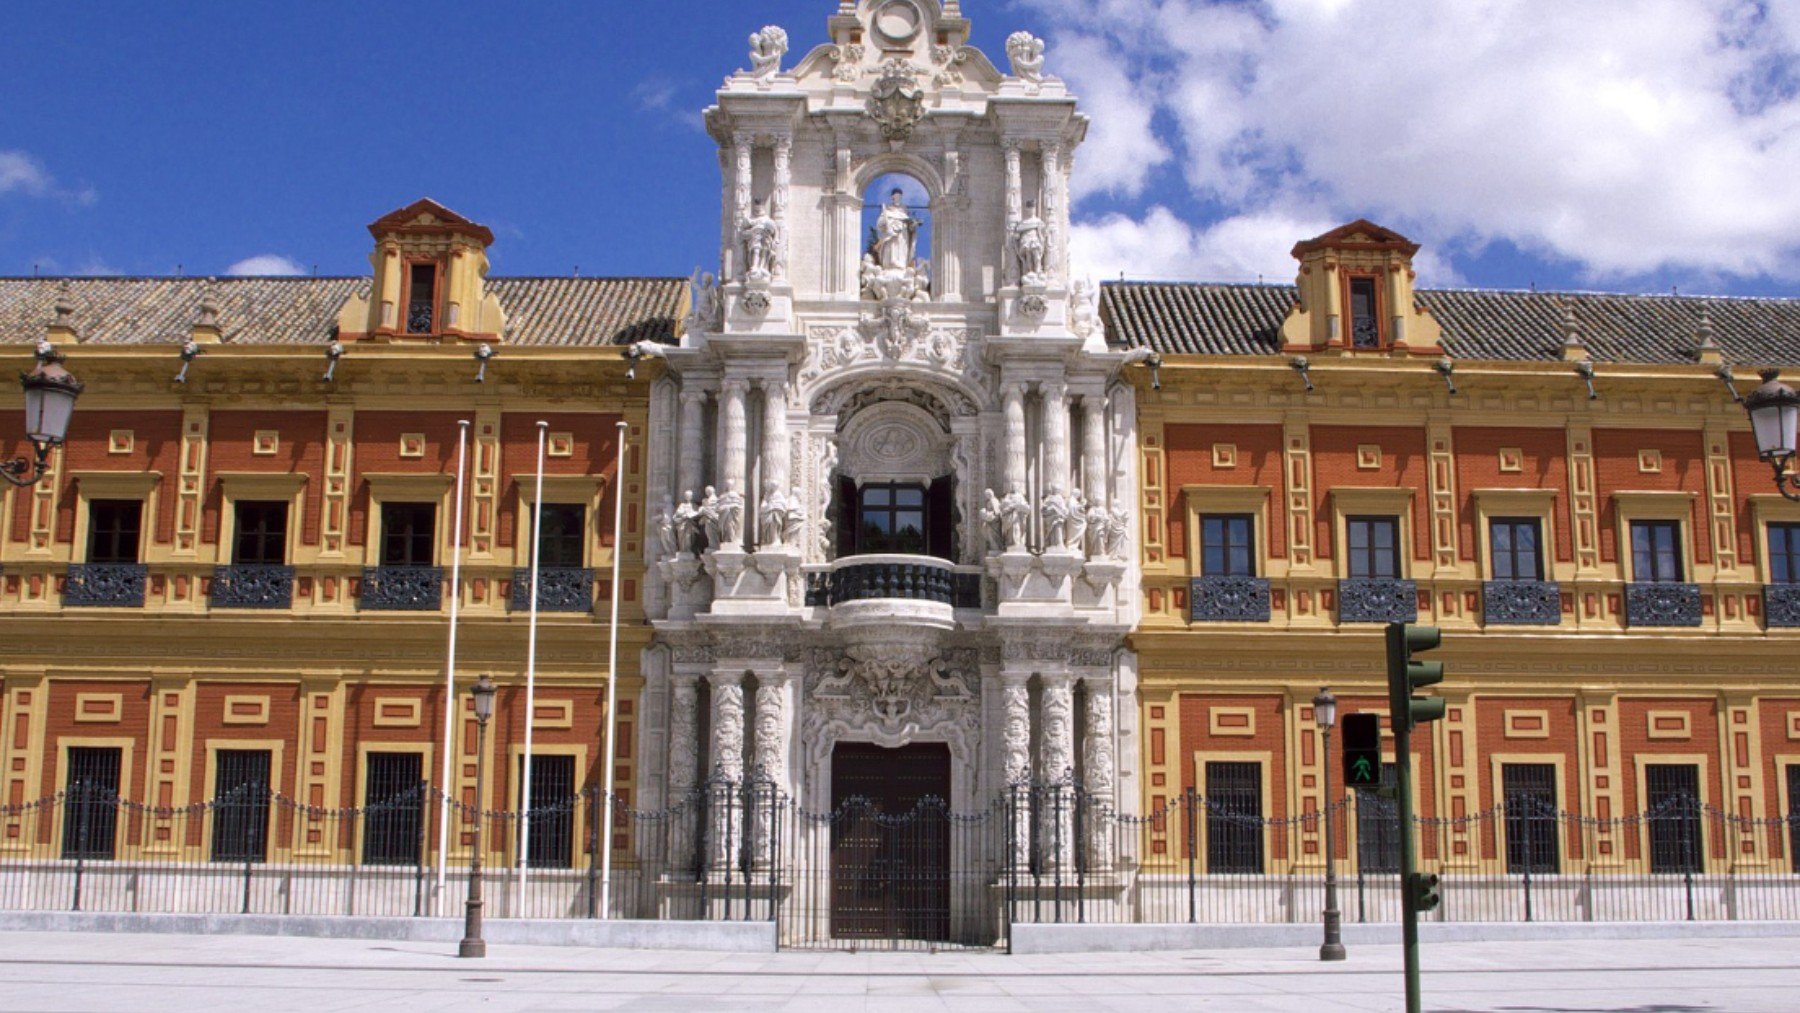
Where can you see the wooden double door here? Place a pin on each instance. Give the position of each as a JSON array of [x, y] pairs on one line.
[[890, 842]]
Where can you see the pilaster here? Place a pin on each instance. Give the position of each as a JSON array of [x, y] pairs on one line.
[[340, 423], [26, 709], [1458, 782], [485, 483], [190, 488], [1603, 785], [319, 765], [1741, 769], [1296, 441]]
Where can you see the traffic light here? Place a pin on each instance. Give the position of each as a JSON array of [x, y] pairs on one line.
[[1406, 675], [1362, 750], [1424, 888]]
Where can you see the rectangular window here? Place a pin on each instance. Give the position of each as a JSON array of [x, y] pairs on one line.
[[261, 536], [91, 803], [561, 540], [114, 528], [1378, 826], [1793, 816], [1516, 547], [393, 794], [241, 806], [408, 531], [1656, 552], [1672, 808], [1529, 792], [552, 817], [1226, 548], [892, 519], [1365, 317], [1374, 547], [1784, 553], [1234, 823], [421, 299]]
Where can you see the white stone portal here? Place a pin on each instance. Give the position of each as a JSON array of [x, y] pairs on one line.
[[892, 305]]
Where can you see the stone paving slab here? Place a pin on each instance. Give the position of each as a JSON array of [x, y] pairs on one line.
[[91, 971]]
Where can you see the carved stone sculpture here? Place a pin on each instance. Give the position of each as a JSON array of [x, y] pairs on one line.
[[993, 522], [896, 102], [707, 305], [1030, 246], [1118, 528], [1026, 51], [730, 511], [1099, 521], [1015, 513], [767, 47], [895, 233], [668, 544], [1075, 535], [1084, 311], [1056, 519], [761, 236], [778, 520], [689, 526], [708, 515]]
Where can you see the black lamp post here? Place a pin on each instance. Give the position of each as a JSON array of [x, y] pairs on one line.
[[1325, 714], [472, 944], [1774, 410], [50, 393]]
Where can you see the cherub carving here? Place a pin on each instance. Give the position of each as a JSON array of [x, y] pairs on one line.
[[1026, 51], [767, 47]]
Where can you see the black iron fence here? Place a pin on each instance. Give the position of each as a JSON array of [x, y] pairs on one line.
[[855, 877]]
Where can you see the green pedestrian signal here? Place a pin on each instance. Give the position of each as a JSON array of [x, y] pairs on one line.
[[1362, 750], [1406, 675], [1424, 888]]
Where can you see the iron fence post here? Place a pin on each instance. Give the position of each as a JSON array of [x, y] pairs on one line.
[[595, 799], [1193, 829], [703, 843], [419, 869], [1526, 828], [1688, 858], [1081, 801], [81, 818]]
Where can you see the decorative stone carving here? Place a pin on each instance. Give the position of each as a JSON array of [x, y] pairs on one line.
[[707, 312], [689, 523], [756, 303], [1015, 743], [849, 61], [1084, 308], [1055, 510], [1026, 52], [707, 515], [897, 103], [993, 523], [1118, 533], [949, 60], [684, 759], [1075, 526], [761, 238], [1015, 518], [898, 333], [1097, 765], [1030, 246], [668, 543], [896, 689], [1033, 307], [729, 508], [767, 47], [780, 519]]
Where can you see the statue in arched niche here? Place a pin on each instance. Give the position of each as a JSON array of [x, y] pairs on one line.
[[896, 233], [892, 265]]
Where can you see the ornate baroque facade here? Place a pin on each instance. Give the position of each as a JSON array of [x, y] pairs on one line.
[[895, 478]]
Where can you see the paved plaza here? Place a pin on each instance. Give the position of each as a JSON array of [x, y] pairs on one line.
[[73, 971]]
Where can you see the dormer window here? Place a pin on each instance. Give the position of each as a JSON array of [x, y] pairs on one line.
[[1365, 314], [421, 299]]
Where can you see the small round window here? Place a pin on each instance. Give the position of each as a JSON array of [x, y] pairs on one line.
[[897, 22]]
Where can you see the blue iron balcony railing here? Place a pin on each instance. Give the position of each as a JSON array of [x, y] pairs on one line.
[[1521, 603], [565, 589], [1662, 605], [403, 588], [253, 587], [1229, 600], [1366, 600], [115, 585], [1781, 606]]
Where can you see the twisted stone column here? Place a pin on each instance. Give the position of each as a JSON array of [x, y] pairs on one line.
[[691, 467], [1055, 396], [1098, 762], [772, 758], [1015, 702], [684, 766], [777, 466], [1014, 464], [784, 178], [734, 436], [728, 765], [1056, 763], [1093, 449]]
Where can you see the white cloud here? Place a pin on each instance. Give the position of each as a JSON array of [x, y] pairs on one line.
[[1626, 137], [23, 174], [266, 265], [1162, 247], [1122, 147]]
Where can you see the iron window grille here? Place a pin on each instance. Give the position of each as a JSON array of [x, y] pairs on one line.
[[1793, 816], [421, 299], [1529, 791], [393, 794], [1672, 804], [1378, 826], [1365, 317], [241, 806], [1234, 823], [1781, 597], [91, 815], [552, 815]]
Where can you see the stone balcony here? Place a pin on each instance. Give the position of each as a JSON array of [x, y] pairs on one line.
[[862, 589]]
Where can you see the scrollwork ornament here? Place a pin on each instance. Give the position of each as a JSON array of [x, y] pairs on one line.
[[756, 303]]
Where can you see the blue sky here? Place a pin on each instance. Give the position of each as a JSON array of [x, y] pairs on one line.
[[1652, 145]]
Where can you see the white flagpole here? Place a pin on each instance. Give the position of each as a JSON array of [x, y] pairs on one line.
[[537, 541], [612, 676], [443, 856]]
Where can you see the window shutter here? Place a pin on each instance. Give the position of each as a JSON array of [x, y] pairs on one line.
[[846, 517], [940, 518]]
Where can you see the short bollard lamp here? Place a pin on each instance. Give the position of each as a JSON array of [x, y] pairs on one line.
[[1325, 715], [472, 944], [50, 393], [1774, 410]]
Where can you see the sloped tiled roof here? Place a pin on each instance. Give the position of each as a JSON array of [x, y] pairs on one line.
[[1205, 319], [290, 311]]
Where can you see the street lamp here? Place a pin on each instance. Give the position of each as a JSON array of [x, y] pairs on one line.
[[1325, 713], [472, 944], [50, 393], [1774, 409]]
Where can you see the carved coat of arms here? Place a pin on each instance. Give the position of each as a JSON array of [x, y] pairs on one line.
[[897, 103]]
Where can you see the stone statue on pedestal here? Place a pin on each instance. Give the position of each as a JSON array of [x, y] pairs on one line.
[[760, 235], [1015, 514], [1030, 246], [767, 47], [1026, 51], [709, 518], [1075, 536], [731, 517], [689, 527]]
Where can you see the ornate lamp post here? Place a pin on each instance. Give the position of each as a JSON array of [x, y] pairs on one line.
[[472, 944], [1325, 714], [50, 393], [1774, 410]]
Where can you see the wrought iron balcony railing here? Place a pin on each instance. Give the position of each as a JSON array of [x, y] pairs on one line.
[[1365, 600], [115, 585], [565, 589], [1521, 603], [1781, 606], [1229, 600], [1662, 605], [898, 578], [403, 588], [253, 587]]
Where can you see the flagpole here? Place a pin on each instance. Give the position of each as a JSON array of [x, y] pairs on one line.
[[612, 675], [537, 542], [443, 856]]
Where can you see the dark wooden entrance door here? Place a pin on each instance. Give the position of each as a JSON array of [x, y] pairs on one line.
[[890, 842]]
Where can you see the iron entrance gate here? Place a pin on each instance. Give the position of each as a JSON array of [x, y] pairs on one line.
[[890, 843]]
